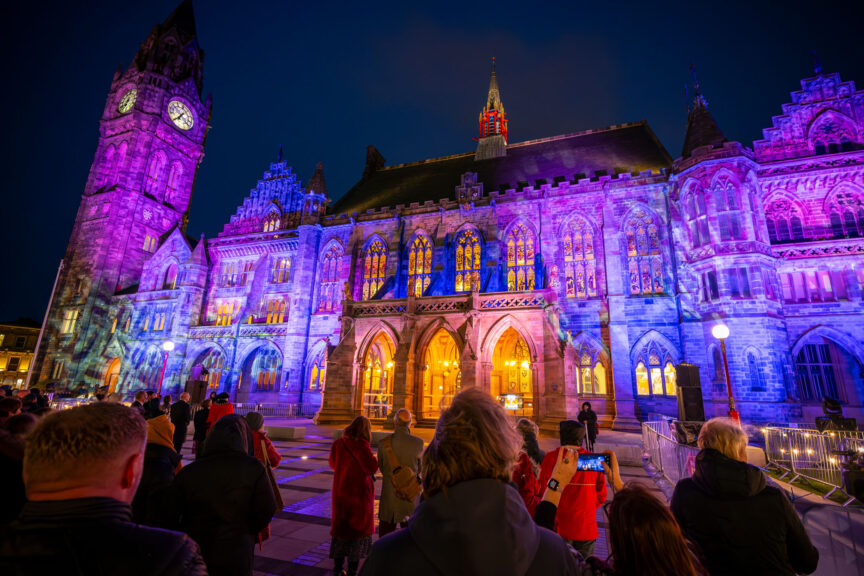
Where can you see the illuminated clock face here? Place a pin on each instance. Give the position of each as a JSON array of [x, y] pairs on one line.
[[128, 101], [180, 115]]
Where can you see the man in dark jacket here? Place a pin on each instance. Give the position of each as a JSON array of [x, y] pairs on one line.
[[224, 499], [138, 403], [742, 525], [201, 426], [181, 416], [82, 467]]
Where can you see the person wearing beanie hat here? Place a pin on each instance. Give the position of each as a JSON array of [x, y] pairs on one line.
[[259, 437], [576, 521], [221, 406]]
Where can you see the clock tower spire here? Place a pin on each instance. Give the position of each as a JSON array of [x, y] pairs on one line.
[[493, 123], [151, 142]]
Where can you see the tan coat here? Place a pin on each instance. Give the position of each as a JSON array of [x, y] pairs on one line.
[[408, 449]]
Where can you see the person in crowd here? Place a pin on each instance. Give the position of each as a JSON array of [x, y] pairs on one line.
[[28, 403], [353, 518], [527, 467], [223, 500], [13, 433], [81, 469], [115, 397], [588, 418], [138, 403], [406, 450], [260, 441], [219, 408], [577, 513], [5, 391], [472, 520], [161, 463], [166, 403], [181, 415], [213, 395], [9, 406], [41, 399], [743, 525], [201, 426]]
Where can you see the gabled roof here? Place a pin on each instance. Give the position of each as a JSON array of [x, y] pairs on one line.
[[624, 148]]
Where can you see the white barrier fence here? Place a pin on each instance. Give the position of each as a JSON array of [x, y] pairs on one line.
[[671, 459]]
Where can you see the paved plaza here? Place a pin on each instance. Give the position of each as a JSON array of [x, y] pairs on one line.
[[300, 538]]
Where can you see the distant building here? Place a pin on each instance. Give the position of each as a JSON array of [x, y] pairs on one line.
[[577, 267], [17, 343]]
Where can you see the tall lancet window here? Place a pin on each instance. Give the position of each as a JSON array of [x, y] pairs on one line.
[[328, 290], [173, 185], [374, 265], [728, 210], [580, 279], [520, 259], [468, 260], [644, 263], [419, 265], [155, 172]]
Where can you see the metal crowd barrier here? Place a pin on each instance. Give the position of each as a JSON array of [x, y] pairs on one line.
[[671, 459], [277, 410], [802, 453]]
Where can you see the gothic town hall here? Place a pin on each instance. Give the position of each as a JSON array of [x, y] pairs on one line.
[[581, 266]]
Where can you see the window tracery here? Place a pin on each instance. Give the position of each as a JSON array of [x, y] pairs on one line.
[[374, 266], [644, 262], [784, 221], [697, 217], [520, 259], [468, 258], [655, 372], [728, 206], [580, 279], [419, 265], [328, 291]]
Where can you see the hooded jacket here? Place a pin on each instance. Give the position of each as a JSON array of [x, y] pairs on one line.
[[743, 525], [161, 463], [477, 528], [224, 499]]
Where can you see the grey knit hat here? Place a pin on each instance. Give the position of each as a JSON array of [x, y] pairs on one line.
[[255, 420]]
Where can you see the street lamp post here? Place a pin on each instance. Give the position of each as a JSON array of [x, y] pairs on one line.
[[167, 347], [721, 332]]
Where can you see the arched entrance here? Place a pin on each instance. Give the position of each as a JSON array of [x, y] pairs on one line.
[[111, 376], [511, 382], [208, 367], [441, 374], [378, 377]]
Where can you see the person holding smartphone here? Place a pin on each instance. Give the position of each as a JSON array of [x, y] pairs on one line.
[[576, 520]]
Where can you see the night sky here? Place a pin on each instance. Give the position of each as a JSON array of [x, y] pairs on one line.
[[325, 79]]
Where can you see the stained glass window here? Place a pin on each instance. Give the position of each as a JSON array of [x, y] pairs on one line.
[[579, 266], [419, 265], [272, 221], [645, 265], [520, 259], [329, 279], [317, 374], [374, 264], [275, 311], [265, 370], [655, 373], [467, 261]]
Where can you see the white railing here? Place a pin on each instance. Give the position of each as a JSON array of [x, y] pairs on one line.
[[277, 409], [671, 459], [803, 453]]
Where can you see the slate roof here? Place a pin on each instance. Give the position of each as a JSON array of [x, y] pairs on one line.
[[623, 148], [702, 129]]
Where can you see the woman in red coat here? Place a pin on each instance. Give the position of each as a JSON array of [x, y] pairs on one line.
[[353, 522]]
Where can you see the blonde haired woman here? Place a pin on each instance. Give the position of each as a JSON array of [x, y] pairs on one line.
[[743, 525]]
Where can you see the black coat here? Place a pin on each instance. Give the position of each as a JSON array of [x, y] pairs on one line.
[[588, 418], [224, 499], [160, 462], [181, 414], [89, 536], [742, 525], [478, 528], [200, 420]]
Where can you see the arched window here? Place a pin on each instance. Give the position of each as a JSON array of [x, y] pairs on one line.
[[784, 221], [212, 364], [155, 173], [697, 217], [317, 374], [520, 259], [579, 265], [592, 372], [150, 367], [757, 383], [169, 281], [832, 132], [644, 263], [275, 311], [468, 261], [374, 266], [272, 221], [717, 363], [728, 210], [846, 214], [419, 265], [265, 370], [329, 279], [281, 268], [655, 372], [173, 184]]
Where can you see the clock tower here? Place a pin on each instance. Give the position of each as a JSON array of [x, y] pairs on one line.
[[151, 142]]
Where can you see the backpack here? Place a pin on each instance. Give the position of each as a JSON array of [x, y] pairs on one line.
[[406, 484]]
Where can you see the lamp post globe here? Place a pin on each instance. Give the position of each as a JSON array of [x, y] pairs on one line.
[[167, 347], [721, 332]]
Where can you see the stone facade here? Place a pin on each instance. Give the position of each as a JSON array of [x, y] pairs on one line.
[[17, 343], [578, 267]]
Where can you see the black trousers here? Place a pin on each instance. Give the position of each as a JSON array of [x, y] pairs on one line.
[[179, 437]]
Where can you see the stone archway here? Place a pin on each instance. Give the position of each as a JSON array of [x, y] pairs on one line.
[[377, 377], [440, 375], [512, 378]]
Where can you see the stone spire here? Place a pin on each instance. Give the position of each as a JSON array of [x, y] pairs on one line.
[[171, 49], [702, 129], [493, 118], [316, 184]]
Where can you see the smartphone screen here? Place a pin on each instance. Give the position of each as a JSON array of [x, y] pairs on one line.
[[592, 462]]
